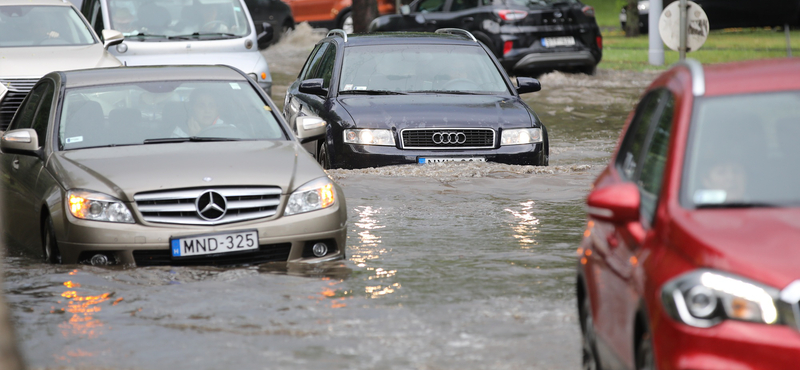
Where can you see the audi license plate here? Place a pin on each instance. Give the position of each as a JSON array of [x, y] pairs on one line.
[[422, 160], [552, 42], [214, 243]]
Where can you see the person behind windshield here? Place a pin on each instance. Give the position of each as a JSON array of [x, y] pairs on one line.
[[203, 113], [123, 20], [211, 23]]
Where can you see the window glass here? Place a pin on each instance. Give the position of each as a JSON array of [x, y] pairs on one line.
[[43, 113], [426, 6], [655, 159], [198, 19], [313, 62], [24, 116], [138, 113], [743, 151], [420, 69], [463, 5], [33, 25], [326, 66], [629, 157]]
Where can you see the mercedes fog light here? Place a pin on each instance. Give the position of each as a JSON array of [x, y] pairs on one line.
[[319, 249]]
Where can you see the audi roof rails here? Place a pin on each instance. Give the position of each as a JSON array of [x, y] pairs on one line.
[[457, 31], [337, 32]]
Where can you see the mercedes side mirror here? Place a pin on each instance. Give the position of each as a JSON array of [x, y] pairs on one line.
[[313, 86], [23, 141], [310, 128], [528, 85], [111, 38], [266, 35]]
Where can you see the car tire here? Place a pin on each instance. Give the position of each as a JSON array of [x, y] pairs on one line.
[[589, 70], [589, 349], [645, 359], [346, 23], [50, 249], [323, 156]]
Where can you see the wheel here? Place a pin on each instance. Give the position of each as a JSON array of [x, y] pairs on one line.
[[347, 23], [645, 360], [49, 245], [589, 352], [323, 156], [590, 70]]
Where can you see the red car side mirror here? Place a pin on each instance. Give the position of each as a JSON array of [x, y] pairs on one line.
[[618, 203]]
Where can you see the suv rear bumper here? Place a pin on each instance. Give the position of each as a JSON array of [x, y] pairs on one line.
[[556, 60]]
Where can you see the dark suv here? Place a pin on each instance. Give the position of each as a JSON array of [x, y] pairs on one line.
[[529, 37]]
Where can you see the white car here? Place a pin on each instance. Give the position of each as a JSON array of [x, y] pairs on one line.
[[184, 32], [41, 36]]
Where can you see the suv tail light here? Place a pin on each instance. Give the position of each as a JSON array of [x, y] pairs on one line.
[[511, 15], [507, 46], [600, 42], [588, 11]]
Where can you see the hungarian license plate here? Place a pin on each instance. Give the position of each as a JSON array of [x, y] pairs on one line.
[[422, 160], [552, 42], [214, 243]]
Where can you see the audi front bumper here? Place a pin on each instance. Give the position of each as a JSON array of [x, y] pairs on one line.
[[353, 156]]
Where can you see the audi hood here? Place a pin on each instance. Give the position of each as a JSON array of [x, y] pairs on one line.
[[440, 110], [124, 171]]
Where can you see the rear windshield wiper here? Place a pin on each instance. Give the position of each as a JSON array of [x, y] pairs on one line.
[[738, 205], [371, 92], [164, 140]]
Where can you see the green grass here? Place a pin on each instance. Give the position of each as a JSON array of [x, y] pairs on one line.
[[606, 12]]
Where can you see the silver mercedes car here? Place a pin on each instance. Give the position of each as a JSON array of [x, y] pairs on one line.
[[165, 165], [41, 36]]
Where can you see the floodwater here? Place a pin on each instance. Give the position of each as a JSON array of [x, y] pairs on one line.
[[449, 266]]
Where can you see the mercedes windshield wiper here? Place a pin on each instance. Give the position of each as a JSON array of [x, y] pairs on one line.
[[371, 92], [142, 34], [738, 205], [455, 92], [164, 140]]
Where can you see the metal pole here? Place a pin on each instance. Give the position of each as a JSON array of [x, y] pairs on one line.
[[655, 53], [788, 42], [683, 24]]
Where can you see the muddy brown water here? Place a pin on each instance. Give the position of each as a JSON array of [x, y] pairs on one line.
[[459, 266]]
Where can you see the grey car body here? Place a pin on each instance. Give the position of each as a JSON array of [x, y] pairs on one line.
[[24, 60], [170, 33], [153, 192]]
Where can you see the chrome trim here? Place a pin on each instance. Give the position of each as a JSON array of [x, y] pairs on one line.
[[791, 295], [194, 193], [199, 221], [698, 76], [457, 31], [337, 32], [182, 206], [492, 146]]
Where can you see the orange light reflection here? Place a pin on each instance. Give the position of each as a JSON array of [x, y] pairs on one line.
[[527, 225]]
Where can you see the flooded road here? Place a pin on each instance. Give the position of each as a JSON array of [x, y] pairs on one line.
[[457, 266]]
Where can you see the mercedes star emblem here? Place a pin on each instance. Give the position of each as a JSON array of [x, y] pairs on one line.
[[211, 206]]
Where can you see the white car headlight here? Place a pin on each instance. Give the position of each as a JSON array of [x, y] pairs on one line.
[[89, 205], [314, 195], [369, 137], [704, 298], [518, 136]]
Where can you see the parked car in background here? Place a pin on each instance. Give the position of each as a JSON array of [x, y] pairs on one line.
[[400, 98], [732, 13], [528, 37], [166, 32], [689, 259], [332, 13], [40, 36], [175, 165], [274, 12]]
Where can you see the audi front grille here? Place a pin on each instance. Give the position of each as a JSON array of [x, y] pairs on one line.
[[449, 138], [17, 90], [234, 205]]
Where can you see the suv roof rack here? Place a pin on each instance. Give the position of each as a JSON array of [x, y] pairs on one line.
[[337, 32], [457, 31]]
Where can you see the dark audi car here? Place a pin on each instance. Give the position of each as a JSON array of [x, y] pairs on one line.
[[400, 98], [529, 37]]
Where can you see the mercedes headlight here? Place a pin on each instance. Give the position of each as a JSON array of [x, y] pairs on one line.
[[521, 136], [89, 205], [314, 195], [704, 298], [369, 136]]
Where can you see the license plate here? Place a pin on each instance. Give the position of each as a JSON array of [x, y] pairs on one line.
[[450, 159], [552, 42], [214, 243]]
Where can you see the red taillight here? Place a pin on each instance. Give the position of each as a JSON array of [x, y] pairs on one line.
[[588, 11], [511, 15], [507, 46], [599, 42]]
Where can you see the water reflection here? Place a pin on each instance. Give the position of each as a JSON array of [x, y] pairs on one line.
[[82, 308], [526, 226], [369, 248]]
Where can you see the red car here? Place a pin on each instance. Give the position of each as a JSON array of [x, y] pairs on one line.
[[691, 255]]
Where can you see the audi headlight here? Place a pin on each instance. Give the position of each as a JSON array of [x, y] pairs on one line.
[[369, 137], [521, 136], [704, 298], [314, 195], [89, 205]]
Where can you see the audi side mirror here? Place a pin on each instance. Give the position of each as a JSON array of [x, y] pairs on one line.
[[528, 85], [313, 86]]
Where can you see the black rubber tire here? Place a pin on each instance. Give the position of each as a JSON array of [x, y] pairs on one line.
[[645, 359], [323, 157], [589, 359], [50, 251]]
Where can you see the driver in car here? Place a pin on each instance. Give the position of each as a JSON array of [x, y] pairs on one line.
[[203, 113]]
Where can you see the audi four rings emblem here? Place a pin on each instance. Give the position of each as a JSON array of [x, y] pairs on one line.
[[449, 137], [211, 206]]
